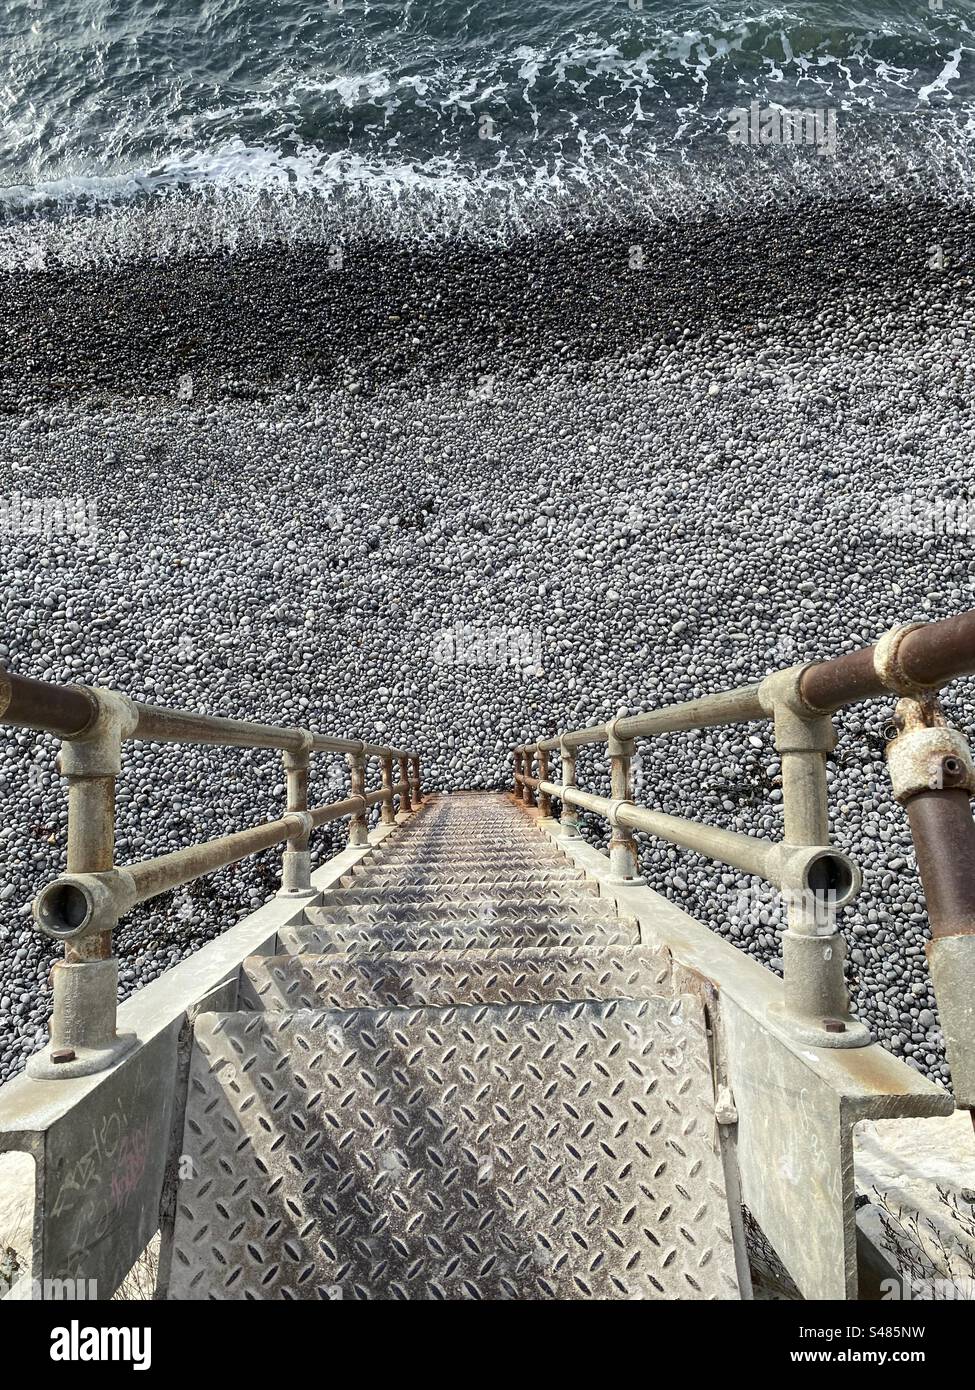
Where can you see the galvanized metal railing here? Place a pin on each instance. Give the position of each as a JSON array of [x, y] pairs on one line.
[[82, 907], [933, 776]]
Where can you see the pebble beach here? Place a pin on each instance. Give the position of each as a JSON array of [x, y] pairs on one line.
[[667, 479]]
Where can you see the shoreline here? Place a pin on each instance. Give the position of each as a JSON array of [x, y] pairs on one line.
[[287, 314]]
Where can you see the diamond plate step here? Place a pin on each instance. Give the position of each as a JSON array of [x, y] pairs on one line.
[[407, 877], [515, 832], [585, 911], [383, 858], [438, 935], [526, 1152], [504, 832], [454, 895], [441, 979]]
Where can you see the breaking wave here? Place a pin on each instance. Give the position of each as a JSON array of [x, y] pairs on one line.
[[160, 133]]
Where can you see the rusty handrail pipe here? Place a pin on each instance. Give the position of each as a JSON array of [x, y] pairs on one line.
[[71, 711], [924, 656], [912, 661], [83, 906]]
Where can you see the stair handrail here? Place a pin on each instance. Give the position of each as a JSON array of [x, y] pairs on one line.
[[932, 774], [82, 907]]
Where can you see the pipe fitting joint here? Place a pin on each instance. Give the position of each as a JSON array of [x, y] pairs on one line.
[[927, 754], [296, 759], [886, 661], [821, 871], [77, 905], [798, 728], [617, 747], [98, 751], [613, 813]]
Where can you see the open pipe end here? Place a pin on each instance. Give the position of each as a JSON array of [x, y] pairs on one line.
[[64, 908], [833, 878], [822, 876]]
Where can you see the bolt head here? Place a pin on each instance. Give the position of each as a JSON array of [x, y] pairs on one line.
[[834, 1025], [62, 1054]]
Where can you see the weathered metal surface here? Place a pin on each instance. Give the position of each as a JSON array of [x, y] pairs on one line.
[[492, 879], [457, 848], [445, 935], [100, 1146], [409, 979], [561, 1151], [83, 907], [464, 913], [727, 707], [933, 776], [101, 1143], [951, 960], [796, 1104], [796, 1113], [450, 895], [944, 840], [936, 653], [929, 656], [927, 753], [67, 710]]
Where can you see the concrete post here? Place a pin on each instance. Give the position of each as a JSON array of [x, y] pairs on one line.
[[417, 791]]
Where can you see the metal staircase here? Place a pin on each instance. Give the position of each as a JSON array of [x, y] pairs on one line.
[[471, 1055], [462, 1077]]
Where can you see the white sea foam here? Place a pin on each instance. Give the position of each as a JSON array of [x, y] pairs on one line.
[[247, 196], [584, 127]]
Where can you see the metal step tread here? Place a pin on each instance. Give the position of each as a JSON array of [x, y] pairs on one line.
[[409, 917], [451, 895], [410, 878], [522, 1152], [438, 935], [464, 858], [443, 979]]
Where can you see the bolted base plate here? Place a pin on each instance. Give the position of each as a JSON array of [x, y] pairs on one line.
[[814, 1032], [86, 1061]]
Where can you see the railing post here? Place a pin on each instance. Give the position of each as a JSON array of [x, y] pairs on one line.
[[527, 792], [816, 1004], [83, 1039], [544, 799], [623, 858], [388, 812], [405, 804], [933, 777], [417, 791], [570, 815], [516, 780], [359, 825], [296, 860]]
